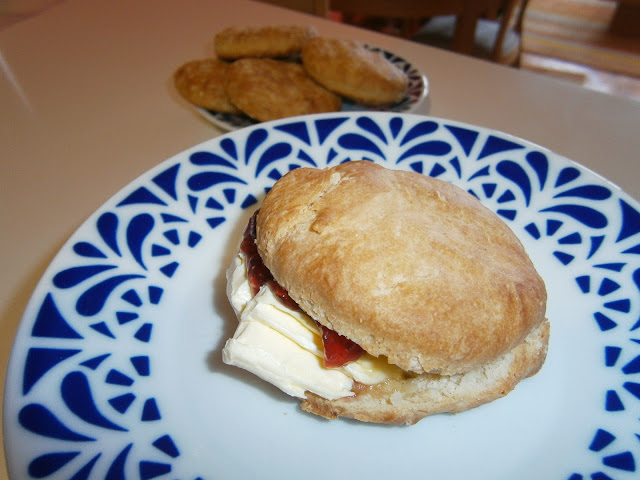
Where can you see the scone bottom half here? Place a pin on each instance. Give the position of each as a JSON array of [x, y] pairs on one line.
[[426, 295]]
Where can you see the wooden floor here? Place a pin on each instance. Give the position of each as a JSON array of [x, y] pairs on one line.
[[570, 40]]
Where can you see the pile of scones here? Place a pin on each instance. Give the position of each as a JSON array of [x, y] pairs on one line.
[[278, 71]]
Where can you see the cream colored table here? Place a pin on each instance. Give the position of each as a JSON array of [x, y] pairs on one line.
[[87, 105]]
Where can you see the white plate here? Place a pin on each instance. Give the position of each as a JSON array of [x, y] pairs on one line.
[[417, 92], [116, 369]]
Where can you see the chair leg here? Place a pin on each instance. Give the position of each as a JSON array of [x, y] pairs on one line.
[[504, 27]]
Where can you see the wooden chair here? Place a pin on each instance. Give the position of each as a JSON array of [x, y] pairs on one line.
[[315, 7], [463, 26], [411, 14], [497, 36]]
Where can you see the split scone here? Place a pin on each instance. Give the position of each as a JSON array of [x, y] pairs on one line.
[[384, 296]]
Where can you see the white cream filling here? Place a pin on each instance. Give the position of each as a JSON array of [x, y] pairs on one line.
[[284, 346]]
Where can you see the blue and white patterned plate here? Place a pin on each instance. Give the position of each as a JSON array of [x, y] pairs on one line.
[[116, 369], [417, 92]]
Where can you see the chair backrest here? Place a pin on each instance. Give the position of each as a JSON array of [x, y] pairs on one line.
[[399, 8], [315, 7]]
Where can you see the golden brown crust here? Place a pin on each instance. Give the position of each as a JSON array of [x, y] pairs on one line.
[[261, 41], [407, 266], [267, 89], [201, 82], [409, 400], [348, 68]]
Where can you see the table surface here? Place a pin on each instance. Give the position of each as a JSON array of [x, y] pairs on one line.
[[88, 105]]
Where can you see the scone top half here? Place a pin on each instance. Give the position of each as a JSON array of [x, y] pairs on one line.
[[405, 265]]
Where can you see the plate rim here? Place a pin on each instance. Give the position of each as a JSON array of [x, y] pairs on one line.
[[24, 325]]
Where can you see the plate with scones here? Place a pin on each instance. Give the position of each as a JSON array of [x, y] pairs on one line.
[[264, 73], [345, 295]]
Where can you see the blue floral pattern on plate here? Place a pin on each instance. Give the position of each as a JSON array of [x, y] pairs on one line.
[[417, 91], [86, 393]]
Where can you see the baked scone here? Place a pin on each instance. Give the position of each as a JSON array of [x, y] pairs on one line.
[[410, 399], [202, 83], [261, 41], [434, 289], [351, 70], [267, 89], [405, 265]]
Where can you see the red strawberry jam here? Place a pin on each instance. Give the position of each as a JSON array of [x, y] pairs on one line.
[[257, 271], [338, 350]]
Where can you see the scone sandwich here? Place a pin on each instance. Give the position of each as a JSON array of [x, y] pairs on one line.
[[384, 296]]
